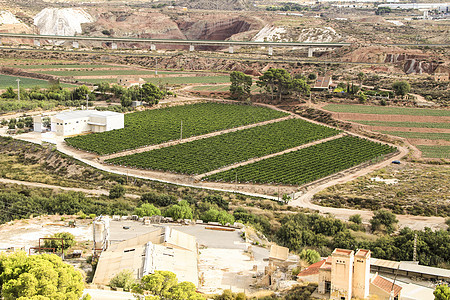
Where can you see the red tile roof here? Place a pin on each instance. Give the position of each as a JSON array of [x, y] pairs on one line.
[[386, 285], [312, 269]]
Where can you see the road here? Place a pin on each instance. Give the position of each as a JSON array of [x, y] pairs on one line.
[[301, 200], [96, 192]]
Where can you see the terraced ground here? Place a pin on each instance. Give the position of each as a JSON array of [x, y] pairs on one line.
[[156, 126], [385, 110], [307, 164], [427, 129], [204, 155]]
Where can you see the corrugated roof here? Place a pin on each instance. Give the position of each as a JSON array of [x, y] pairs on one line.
[[384, 263], [279, 252], [386, 285], [405, 266]]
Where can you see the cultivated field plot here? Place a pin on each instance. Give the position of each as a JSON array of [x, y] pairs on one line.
[[420, 135], [120, 72], [435, 151], [427, 128], [404, 124], [170, 80], [201, 156], [162, 125], [64, 66], [382, 110], [26, 83], [221, 88], [307, 164]]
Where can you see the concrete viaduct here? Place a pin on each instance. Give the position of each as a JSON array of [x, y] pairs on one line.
[[191, 43]]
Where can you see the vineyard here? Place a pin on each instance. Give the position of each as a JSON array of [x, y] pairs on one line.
[[201, 156], [307, 164], [162, 125]]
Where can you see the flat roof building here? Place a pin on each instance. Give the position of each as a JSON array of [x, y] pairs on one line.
[[164, 249], [82, 121]]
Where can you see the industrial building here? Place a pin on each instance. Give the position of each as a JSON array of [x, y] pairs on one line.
[[164, 249], [345, 275], [81, 121]]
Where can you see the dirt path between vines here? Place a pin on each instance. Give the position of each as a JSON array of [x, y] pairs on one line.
[[97, 192], [190, 139], [253, 160], [263, 191]]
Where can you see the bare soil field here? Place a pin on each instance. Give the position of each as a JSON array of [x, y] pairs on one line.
[[397, 118]]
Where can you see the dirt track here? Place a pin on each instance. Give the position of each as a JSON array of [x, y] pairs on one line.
[[96, 192], [265, 191]]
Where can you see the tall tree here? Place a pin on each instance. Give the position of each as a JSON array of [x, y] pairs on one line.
[[43, 277], [401, 88], [240, 85]]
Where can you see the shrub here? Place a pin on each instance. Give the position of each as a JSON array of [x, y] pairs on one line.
[[117, 191], [124, 280], [356, 219], [310, 256], [69, 241], [147, 210]]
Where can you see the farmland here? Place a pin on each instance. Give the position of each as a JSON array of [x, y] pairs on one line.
[[161, 125], [120, 72], [209, 154], [381, 110], [404, 124], [7, 81], [435, 151], [307, 164], [420, 135], [65, 66], [170, 80], [423, 127]]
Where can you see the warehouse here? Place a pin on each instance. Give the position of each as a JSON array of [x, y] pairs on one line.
[[81, 121]]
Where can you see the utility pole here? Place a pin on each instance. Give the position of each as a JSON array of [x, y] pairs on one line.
[[156, 67], [415, 248], [87, 101], [181, 130], [18, 89]]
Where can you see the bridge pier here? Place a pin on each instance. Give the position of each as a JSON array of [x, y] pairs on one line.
[[37, 42], [230, 49], [152, 47], [270, 50], [191, 48], [310, 52], [114, 46], [75, 44]]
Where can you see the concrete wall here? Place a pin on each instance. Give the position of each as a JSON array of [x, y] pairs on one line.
[[70, 127], [341, 277]]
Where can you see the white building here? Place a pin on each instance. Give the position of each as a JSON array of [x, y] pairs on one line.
[[81, 121]]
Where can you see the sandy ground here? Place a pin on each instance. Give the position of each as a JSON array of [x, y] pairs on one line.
[[26, 233]]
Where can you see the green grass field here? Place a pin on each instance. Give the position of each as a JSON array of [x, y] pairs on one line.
[[404, 124], [121, 72], [383, 110], [7, 81], [170, 80], [156, 126], [420, 135], [64, 66], [435, 151], [221, 88]]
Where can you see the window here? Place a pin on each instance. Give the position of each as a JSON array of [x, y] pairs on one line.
[[327, 286], [78, 122], [128, 250]]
